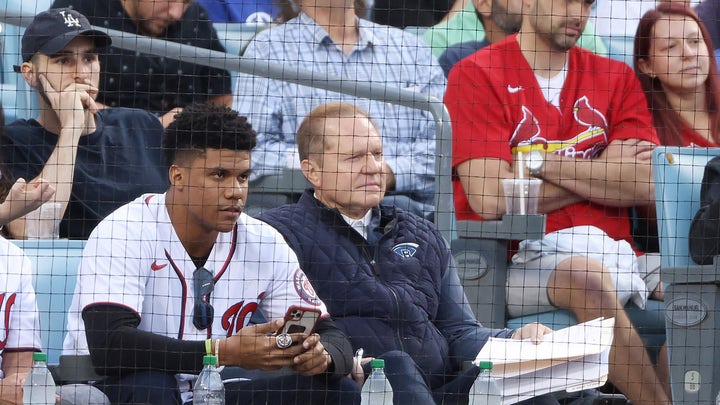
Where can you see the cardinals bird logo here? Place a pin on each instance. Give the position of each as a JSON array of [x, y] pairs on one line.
[[527, 131], [526, 136], [585, 114]]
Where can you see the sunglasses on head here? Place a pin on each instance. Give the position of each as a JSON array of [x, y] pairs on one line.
[[203, 312]]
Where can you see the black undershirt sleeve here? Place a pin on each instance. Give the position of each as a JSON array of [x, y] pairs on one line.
[[117, 346], [338, 347]]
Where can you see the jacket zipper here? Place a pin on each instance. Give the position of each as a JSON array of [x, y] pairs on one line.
[[396, 304]]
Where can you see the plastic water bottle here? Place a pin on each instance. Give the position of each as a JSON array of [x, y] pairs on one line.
[[39, 388], [486, 389], [377, 389], [209, 388]]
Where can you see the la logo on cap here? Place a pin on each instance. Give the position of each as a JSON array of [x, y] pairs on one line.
[[70, 20]]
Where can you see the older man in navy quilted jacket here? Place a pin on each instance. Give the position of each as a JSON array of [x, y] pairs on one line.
[[386, 275]]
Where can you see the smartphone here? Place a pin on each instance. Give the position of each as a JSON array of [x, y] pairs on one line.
[[300, 320]]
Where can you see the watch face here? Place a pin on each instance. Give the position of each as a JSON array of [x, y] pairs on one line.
[[534, 160]]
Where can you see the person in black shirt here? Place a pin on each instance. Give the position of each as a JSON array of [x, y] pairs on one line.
[[410, 13], [96, 159], [150, 82]]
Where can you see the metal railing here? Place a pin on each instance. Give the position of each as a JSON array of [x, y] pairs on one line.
[[393, 95]]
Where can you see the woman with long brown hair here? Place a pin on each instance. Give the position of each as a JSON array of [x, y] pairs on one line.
[[674, 62]]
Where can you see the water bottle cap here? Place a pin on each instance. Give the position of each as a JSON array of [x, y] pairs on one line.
[[212, 360], [485, 365], [377, 363], [37, 356]]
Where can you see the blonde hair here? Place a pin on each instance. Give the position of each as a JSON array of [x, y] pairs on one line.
[[310, 135]]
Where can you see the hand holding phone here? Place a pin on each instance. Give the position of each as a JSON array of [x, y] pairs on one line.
[[300, 320]]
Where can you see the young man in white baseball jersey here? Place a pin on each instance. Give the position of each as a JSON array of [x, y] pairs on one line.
[[19, 321], [19, 318], [141, 308]]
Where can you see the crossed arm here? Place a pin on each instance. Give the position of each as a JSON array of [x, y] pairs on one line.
[[621, 176]]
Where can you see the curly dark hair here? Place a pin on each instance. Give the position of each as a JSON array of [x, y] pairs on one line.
[[205, 126]]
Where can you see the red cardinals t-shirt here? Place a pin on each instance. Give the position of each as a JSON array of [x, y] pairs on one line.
[[497, 108]]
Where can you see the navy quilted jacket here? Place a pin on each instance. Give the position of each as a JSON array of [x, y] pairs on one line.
[[400, 292]]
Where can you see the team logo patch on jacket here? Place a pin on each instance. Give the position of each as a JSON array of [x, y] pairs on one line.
[[304, 289], [405, 249]]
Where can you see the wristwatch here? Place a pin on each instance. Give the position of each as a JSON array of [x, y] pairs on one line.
[[534, 162]]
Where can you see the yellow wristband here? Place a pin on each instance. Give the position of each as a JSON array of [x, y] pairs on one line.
[[208, 347], [217, 351]]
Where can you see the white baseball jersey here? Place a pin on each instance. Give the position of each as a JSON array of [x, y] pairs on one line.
[[134, 259], [19, 318]]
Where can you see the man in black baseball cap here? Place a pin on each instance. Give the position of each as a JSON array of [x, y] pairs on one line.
[[96, 158], [53, 29]]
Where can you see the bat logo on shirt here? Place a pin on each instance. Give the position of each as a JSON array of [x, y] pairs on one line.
[[7, 310], [405, 249]]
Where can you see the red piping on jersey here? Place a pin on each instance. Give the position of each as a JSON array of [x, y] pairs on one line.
[[183, 283], [233, 246], [8, 308]]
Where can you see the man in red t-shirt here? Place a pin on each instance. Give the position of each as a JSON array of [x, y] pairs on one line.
[[536, 105]]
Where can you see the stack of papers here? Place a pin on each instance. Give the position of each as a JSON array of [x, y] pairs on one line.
[[570, 359]]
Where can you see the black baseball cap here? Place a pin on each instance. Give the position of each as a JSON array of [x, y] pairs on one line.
[[51, 31]]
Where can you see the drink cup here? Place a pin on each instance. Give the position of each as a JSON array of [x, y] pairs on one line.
[[521, 196], [44, 222]]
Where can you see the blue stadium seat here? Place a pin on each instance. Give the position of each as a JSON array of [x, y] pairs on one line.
[[482, 258], [678, 174], [55, 265], [692, 298]]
